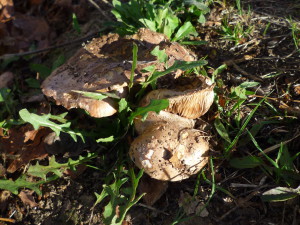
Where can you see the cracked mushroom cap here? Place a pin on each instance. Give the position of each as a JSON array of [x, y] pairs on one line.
[[104, 65], [168, 152], [190, 103]]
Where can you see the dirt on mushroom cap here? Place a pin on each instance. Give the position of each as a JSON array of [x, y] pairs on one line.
[[168, 152]]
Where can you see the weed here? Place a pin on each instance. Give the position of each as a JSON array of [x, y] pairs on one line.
[[157, 17], [121, 199], [237, 33], [295, 33]]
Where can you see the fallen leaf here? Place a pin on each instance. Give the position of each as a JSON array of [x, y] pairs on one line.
[[6, 79], [6, 10], [154, 189], [297, 89], [192, 205], [18, 152], [30, 135], [4, 196], [27, 198]]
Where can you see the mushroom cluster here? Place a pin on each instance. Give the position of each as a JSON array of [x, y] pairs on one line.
[[104, 65], [168, 148]]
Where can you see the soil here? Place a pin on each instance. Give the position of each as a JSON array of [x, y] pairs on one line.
[[268, 57]]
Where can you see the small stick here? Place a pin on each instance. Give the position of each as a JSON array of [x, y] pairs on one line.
[[236, 185], [7, 220], [7, 56], [99, 9], [152, 208]]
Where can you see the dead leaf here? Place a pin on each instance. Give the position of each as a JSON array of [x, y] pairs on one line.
[[6, 79], [4, 196], [2, 170], [6, 10], [19, 153], [74, 174], [30, 135], [29, 29], [297, 89], [192, 205], [27, 198], [154, 189]]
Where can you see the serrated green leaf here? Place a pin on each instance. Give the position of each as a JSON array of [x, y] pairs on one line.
[[280, 194], [155, 105], [246, 162], [21, 182], [57, 168], [44, 121]]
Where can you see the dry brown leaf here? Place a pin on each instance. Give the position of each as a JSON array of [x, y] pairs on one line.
[[30, 135], [192, 205], [154, 189], [6, 79], [27, 198], [19, 153], [6, 10], [4, 196]]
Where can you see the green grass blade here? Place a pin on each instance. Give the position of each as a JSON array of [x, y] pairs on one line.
[[134, 62], [233, 143]]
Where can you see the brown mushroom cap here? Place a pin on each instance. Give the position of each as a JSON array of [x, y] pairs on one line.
[[104, 65], [191, 103], [168, 152]]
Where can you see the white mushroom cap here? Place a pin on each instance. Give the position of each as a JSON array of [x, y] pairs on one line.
[[168, 152]]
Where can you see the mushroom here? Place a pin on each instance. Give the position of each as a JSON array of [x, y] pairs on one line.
[[191, 103], [169, 152], [104, 65], [168, 148]]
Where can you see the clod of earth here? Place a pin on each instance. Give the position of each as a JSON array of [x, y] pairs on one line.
[[104, 65], [168, 148]]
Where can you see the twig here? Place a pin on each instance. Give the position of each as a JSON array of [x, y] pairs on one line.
[[99, 9], [7, 220], [272, 148], [80, 40], [239, 204], [270, 98], [236, 185], [232, 63], [152, 208]]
